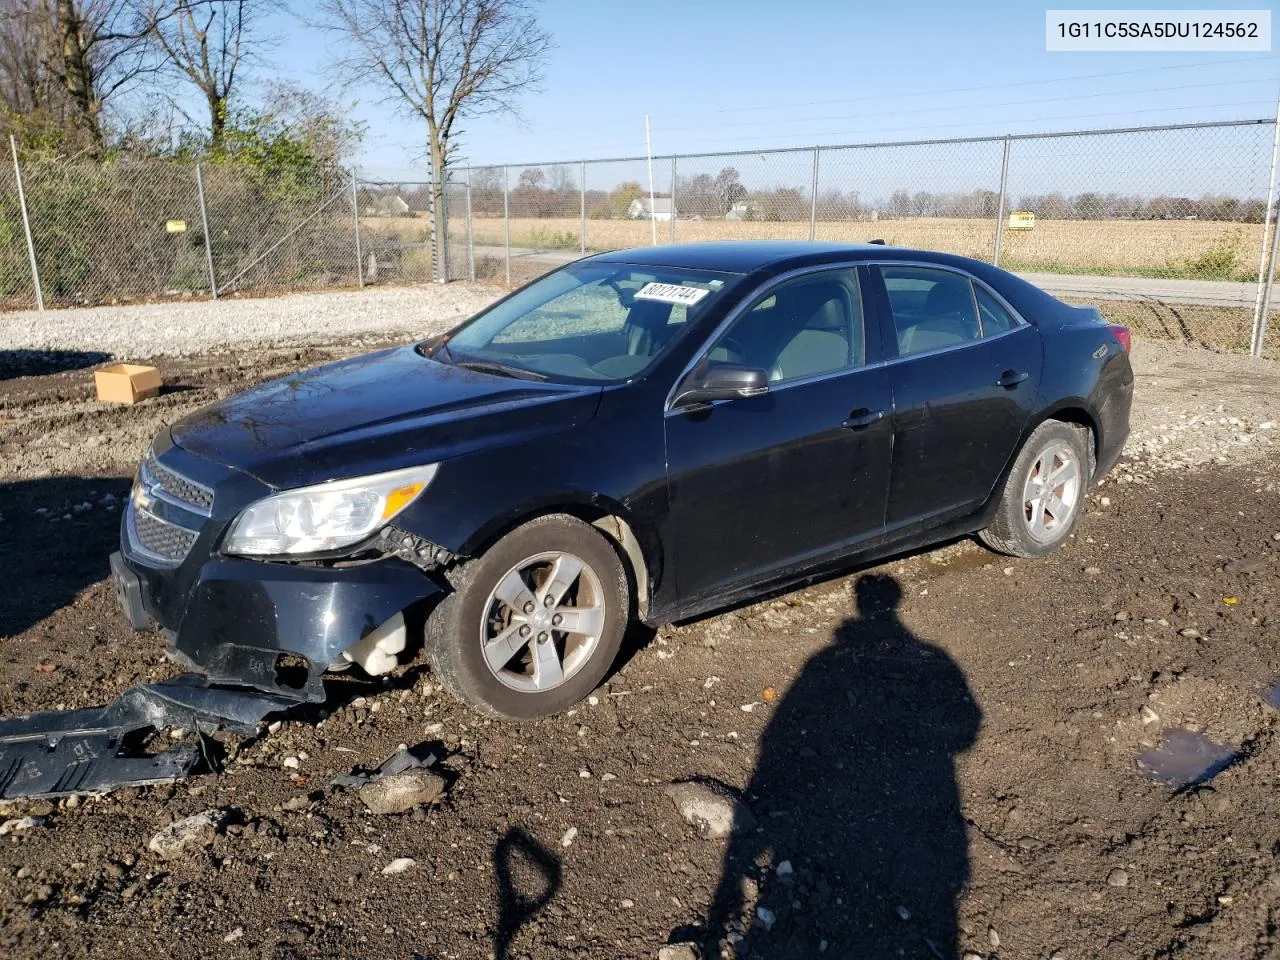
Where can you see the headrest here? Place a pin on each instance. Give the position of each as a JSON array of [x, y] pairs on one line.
[[949, 296]]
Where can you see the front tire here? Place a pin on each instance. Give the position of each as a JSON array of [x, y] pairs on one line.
[[1044, 494], [534, 623]]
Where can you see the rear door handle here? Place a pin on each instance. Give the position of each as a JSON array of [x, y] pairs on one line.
[[1011, 378], [862, 418]]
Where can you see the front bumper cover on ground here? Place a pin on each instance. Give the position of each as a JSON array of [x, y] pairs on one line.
[[92, 750]]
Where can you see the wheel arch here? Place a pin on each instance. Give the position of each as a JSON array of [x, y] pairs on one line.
[[1077, 412], [637, 544]]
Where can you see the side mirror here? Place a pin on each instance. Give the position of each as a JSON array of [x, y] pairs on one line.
[[722, 381]]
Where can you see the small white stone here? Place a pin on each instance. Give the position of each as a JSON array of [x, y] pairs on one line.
[[593, 700], [784, 869], [765, 917], [569, 836], [608, 776], [904, 913], [584, 773], [398, 865], [291, 763], [234, 935], [274, 726]]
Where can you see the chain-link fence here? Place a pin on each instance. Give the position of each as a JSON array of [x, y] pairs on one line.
[[1165, 228]]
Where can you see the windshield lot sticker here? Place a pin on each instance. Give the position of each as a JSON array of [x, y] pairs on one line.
[[671, 293]]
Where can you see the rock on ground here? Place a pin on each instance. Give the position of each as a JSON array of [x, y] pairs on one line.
[[179, 837], [402, 792], [711, 807]]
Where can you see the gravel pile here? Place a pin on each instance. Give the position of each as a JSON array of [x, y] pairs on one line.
[[181, 329], [1193, 407]]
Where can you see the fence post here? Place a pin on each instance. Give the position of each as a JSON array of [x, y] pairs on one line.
[[208, 244], [813, 198], [471, 233], [1260, 332], [673, 199], [506, 217], [582, 230], [442, 218], [26, 225], [1004, 186], [355, 214], [1268, 221]]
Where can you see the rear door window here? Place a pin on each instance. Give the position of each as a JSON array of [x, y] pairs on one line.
[[995, 318], [932, 309]]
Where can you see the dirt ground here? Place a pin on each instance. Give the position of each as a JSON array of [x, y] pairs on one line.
[[940, 752]]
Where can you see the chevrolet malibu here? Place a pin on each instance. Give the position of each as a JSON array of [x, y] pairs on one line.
[[645, 435]]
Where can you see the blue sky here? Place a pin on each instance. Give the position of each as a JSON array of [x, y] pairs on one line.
[[718, 75]]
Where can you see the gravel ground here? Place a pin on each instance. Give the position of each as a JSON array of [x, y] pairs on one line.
[[185, 327], [979, 792]]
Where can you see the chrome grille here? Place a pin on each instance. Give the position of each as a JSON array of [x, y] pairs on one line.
[[163, 540], [176, 487]]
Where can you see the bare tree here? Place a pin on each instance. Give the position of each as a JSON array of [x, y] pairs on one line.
[[208, 42], [102, 49], [443, 60], [29, 89]]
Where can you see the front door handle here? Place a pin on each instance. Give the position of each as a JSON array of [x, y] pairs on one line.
[[1011, 378], [862, 418]]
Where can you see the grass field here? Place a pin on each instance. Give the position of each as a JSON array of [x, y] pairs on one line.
[[1195, 249]]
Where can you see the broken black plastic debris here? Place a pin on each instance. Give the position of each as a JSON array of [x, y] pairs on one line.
[[94, 750], [408, 758]]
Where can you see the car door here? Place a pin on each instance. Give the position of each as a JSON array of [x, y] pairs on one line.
[[760, 484], [964, 383]]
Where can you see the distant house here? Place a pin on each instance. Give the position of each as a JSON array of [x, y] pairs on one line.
[[639, 209], [744, 210], [386, 205]]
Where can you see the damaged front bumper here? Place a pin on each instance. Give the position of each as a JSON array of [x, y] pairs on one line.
[[271, 626], [63, 752]]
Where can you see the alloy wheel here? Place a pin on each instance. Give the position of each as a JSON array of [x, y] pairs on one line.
[[1051, 493], [542, 621]]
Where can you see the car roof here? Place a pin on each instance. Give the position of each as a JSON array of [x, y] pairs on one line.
[[773, 256]]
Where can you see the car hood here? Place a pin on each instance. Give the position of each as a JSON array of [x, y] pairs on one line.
[[382, 411]]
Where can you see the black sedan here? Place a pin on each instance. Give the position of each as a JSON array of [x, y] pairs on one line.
[[645, 435]]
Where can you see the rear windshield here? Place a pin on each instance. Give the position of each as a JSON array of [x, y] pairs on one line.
[[587, 322]]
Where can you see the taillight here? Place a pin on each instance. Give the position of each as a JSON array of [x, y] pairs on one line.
[[1121, 333]]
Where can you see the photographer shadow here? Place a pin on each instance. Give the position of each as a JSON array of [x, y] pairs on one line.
[[860, 848]]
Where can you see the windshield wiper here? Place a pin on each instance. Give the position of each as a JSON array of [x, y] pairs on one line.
[[502, 369]]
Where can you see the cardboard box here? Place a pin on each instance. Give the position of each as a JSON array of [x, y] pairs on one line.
[[127, 382]]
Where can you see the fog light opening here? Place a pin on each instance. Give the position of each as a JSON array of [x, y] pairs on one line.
[[292, 671]]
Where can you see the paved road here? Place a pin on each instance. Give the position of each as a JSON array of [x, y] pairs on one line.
[[1213, 293]]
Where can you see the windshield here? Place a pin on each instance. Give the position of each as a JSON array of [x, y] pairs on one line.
[[588, 321]]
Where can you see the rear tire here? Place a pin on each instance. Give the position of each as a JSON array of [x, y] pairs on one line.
[[534, 623], [1043, 496]]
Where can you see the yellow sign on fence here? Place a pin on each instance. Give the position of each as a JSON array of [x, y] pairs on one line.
[[175, 226], [1022, 220]]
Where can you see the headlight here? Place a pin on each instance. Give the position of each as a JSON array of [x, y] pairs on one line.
[[327, 516]]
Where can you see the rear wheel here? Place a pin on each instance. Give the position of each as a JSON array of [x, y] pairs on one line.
[[1043, 495], [534, 623]]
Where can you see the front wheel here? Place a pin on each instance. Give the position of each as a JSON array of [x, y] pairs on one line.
[[534, 623], [1043, 495]]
